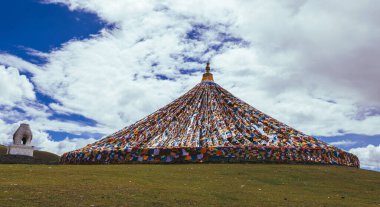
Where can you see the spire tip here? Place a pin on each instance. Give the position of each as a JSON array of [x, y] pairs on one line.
[[208, 67]]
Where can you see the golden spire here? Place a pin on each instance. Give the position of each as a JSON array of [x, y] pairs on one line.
[[207, 76]]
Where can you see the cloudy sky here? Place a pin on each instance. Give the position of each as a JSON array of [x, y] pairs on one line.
[[77, 70]]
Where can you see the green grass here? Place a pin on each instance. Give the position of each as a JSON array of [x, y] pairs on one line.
[[3, 150], [38, 155], [48, 156], [187, 185]]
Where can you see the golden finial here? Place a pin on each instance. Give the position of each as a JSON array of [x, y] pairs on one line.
[[207, 76]]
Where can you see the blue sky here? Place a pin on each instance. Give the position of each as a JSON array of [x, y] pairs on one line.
[[79, 70], [43, 27]]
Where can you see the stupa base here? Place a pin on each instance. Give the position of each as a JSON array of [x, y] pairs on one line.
[[212, 154], [15, 149]]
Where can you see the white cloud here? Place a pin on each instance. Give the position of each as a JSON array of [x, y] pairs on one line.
[[369, 156], [17, 91], [312, 65], [43, 141], [14, 87], [343, 143], [16, 62]]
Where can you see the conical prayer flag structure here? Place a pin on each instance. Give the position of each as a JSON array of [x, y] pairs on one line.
[[209, 124]]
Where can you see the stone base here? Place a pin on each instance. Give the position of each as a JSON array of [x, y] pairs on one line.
[[20, 150]]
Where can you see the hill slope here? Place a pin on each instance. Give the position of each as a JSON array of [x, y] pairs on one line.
[[40, 157], [188, 185]]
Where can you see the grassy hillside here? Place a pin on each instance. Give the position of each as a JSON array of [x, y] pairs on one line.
[[39, 156], [187, 185]]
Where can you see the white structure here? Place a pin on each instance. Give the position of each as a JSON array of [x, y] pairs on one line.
[[22, 139]]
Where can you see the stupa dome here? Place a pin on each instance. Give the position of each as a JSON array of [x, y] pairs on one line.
[[209, 124]]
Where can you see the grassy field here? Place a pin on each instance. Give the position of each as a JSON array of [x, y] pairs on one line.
[[187, 185]]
